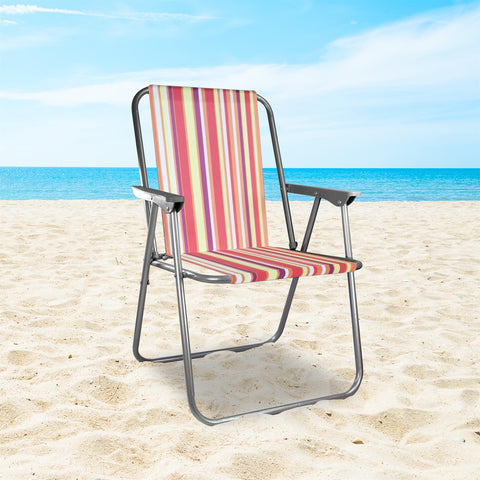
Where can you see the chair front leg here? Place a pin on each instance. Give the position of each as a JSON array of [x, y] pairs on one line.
[[353, 304], [182, 314]]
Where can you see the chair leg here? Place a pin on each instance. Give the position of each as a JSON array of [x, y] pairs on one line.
[[139, 318], [144, 283], [189, 379], [201, 354], [286, 311], [187, 355], [357, 344]]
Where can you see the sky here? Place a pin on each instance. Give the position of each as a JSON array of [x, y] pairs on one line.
[[353, 83]]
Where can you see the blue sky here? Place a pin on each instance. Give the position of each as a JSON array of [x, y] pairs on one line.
[[353, 83]]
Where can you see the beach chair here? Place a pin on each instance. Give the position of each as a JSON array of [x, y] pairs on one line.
[[211, 195]]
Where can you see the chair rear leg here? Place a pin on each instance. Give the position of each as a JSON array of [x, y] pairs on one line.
[[139, 319], [147, 260], [201, 354], [357, 344], [286, 311]]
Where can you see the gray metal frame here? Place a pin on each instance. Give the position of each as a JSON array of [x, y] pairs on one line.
[[171, 204]]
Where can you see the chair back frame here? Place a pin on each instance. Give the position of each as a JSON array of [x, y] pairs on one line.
[[276, 151]]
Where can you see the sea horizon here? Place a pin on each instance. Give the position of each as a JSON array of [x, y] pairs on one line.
[[376, 184]]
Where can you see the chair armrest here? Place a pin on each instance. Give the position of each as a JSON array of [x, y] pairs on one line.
[[336, 197], [168, 202]]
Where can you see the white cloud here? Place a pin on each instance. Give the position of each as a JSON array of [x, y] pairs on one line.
[[428, 57], [441, 47], [25, 9], [134, 16]]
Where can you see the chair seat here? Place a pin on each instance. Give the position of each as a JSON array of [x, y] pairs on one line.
[[258, 264]]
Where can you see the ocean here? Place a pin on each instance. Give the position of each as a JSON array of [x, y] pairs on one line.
[[376, 184]]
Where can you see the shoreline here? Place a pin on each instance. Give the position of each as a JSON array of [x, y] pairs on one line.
[[134, 199]]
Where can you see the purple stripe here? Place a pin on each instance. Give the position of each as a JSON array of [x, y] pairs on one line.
[[203, 170], [245, 190]]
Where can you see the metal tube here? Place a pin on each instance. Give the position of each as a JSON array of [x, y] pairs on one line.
[[281, 176], [346, 233], [293, 285], [182, 314], [286, 311], [144, 283], [142, 165], [138, 136], [357, 346], [311, 223]]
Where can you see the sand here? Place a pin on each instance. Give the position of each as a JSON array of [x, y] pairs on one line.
[[74, 404]]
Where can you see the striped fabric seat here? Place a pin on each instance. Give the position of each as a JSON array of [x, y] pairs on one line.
[[207, 146], [267, 263]]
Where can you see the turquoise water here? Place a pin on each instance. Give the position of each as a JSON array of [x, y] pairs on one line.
[[376, 184]]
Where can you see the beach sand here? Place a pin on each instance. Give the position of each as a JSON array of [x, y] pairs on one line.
[[74, 404]]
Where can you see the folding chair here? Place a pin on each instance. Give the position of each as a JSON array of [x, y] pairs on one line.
[[211, 194]]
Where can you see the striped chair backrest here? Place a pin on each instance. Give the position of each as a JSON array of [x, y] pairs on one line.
[[207, 146]]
